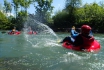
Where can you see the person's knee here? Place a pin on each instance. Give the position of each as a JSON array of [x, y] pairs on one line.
[[66, 39]]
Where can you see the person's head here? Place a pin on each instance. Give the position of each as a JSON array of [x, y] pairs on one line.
[[73, 27], [85, 29]]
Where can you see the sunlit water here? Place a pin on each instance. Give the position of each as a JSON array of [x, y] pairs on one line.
[[42, 52]]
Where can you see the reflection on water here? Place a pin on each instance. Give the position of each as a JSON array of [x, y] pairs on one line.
[[42, 52]]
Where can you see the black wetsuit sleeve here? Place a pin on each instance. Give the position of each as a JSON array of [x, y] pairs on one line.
[[78, 41]]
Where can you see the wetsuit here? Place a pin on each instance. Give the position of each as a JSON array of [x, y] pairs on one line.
[[83, 40], [74, 33]]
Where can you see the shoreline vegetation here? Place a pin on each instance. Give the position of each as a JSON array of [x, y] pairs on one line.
[[74, 14]]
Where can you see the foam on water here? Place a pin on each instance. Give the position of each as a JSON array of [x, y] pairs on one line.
[[73, 56]]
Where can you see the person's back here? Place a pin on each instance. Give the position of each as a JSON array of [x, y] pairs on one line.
[[79, 39], [84, 38]]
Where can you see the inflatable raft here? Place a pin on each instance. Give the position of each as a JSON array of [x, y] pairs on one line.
[[14, 33], [94, 47], [30, 33]]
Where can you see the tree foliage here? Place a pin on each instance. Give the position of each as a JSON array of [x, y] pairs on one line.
[[73, 14], [7, 6], [4, 23], [43, 10], [91, 14]]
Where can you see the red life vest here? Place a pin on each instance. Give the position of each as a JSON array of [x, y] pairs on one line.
[[87, 42]]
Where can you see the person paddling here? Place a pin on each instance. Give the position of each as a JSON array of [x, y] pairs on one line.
[[74, 33], [30, 31], [13, 30], [84, 38]]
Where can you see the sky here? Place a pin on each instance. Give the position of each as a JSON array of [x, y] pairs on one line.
[[58, 4]]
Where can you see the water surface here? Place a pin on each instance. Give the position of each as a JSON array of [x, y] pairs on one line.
[[42, 52]]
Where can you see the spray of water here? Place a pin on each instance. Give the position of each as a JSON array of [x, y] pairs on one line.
[[44, 33], [38, 27]]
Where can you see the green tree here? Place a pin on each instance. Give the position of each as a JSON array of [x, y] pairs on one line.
[[25, 4], [21, 18], [61, 20], [7, 6], [71, 6], [16, 4], [42, 8], [4, 23]]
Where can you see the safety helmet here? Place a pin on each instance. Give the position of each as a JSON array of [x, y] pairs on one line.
[[85, 28]]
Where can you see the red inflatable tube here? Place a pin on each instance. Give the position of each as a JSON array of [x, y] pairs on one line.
[[94, 47], [32, 33], [14, 33]]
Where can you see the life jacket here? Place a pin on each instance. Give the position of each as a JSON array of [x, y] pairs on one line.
[[87, 42]]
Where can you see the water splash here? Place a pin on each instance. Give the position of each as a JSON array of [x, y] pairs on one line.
[[38, 27], [43, 31]]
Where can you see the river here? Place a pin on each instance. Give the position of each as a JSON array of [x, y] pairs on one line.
[[43, 52]]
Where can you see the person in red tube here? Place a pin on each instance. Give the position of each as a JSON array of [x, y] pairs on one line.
[[84, 38]]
